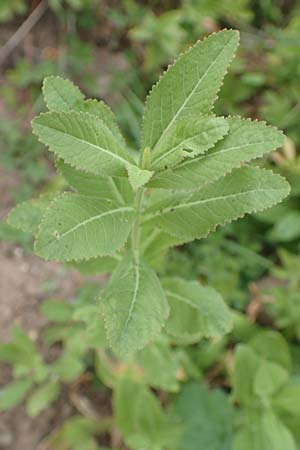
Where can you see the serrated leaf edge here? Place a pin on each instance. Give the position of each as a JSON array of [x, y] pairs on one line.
[[178, 59], [125, 162], [84, 258], [213, 229], [216, 177]]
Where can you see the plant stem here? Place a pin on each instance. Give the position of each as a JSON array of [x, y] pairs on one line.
[[135, 234], [138, 202]]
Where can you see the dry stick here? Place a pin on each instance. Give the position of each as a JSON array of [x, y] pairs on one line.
[[21, 32]]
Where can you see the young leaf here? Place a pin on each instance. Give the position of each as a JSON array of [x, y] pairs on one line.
[[61, 94], [190, 86], [188, 137], [195, 311], [134, 306], [138, 177], [117, 189], [79, 227], [194, 215], [246, 140], [82, 140], [14, 393]]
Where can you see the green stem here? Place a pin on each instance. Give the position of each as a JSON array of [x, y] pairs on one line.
[[135, 234], [138, 202]]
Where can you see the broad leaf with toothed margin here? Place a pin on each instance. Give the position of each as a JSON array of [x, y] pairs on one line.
[[188, 137], [62, 95], [246, 140], [134, 306], [82, 140], [190, 86], [195, 311], [79, 227], [191, 215]]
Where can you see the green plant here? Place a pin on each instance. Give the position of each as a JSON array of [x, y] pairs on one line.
[[186, 181], [267, 391], [8, 8]]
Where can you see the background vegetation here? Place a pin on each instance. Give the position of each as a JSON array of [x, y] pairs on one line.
[[241, 391]]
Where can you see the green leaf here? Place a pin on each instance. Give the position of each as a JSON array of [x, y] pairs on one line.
[[264, 432], [160, 365], [42, 397], [140, 418], [287, 401], [94, 266], [207, 418], [28, 215], [14, 393], [21, 352], [101, 110], [287, 228], [155, 243], [246, 140], [78, 227], [195, 311], [117, 189], [269, 378], [134, 306], [138, 177], [190, 86], [194, 215], [76, 433], [188, 137], [57, 310], [68, 367], [82, 140], [246, 364], [61, 94], [272, 346]]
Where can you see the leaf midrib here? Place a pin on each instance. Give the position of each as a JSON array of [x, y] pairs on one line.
[[182, 299], [212, 199], [173, 149], [91, 219], [189, 96], [135, 292], [225, 150], [82, 141]]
